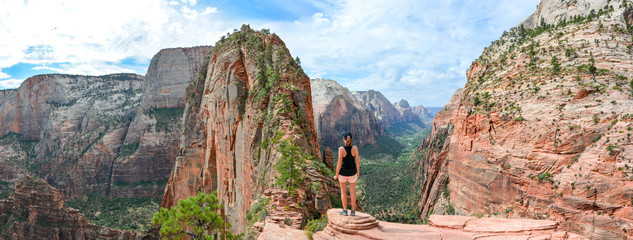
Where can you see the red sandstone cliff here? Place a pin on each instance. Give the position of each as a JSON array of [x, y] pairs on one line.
[[249, 97], [36, 211], [535, 136]]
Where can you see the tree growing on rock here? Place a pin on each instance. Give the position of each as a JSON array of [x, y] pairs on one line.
[[291, 166], [196, 217]]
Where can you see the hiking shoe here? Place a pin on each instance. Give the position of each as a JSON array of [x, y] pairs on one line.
[[344, 213], [353, 213]]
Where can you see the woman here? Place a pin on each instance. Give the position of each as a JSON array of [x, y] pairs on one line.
[[347, 170]]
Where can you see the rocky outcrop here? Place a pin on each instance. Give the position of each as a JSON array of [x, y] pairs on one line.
[[337, 110], [109, 134], [364, 226], [542, 129], [250, 109], [36, 211]]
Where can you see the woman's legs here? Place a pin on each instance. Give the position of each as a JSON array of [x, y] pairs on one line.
[[344, 194], [352, 192]]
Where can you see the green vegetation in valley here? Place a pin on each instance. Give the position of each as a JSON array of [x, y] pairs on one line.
[[116, 212], [387, 181], [196, 217]]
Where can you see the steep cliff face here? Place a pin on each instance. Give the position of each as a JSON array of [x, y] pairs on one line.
[[337, 110], [389, 115], [77, 122], [407, 113], [543, 126], [36, 211], [384, 111], [111, 134], [250, 104], [151, 142]]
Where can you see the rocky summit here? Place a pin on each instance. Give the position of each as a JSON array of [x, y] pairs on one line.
[[542, 129], [336, 110], [364, 226], [249, 111]]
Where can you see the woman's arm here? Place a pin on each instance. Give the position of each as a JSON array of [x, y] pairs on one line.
[[357, 161], [339, 162]]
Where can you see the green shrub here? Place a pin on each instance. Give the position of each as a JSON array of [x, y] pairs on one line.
[[315, 225]]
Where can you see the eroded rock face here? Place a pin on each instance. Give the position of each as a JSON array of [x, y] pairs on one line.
[[157, 124], [36, 211], [235, 119], [553, 11], [524, 140], [337, 110], [364, 226], [113, 134], [407, 113], [383, 110]]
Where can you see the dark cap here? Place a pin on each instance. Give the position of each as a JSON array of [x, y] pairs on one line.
[[346, 134]]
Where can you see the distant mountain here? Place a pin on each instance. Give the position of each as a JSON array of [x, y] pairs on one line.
[[337, 110]]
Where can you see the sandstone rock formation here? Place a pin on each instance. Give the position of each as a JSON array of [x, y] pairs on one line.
[[337, 110], [391, 115], [364, 226], [425, 114], [36, 211], [406, 111], [384, 111], [249, 109], [110, 134], [543, 127]]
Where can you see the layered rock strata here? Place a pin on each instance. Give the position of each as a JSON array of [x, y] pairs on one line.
[[337, 110], [109, 134], [543, 127], [364, 226], [151, 143], [382, 109], [36, 211], [250, 108]]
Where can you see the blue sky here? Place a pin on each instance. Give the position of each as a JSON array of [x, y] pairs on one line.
[[413, 49]]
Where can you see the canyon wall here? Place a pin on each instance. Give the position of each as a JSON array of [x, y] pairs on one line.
[[109, 134], [543, 127]]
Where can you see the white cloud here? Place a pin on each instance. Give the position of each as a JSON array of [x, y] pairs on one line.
[[99, 34], [4, 75], [417, 50], [10, 83], [404, 48], [209, 10]]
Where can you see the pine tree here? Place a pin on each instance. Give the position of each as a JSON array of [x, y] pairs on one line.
[[196, 217]]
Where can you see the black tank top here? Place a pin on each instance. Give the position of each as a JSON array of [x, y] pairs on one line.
[[348, 168]]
